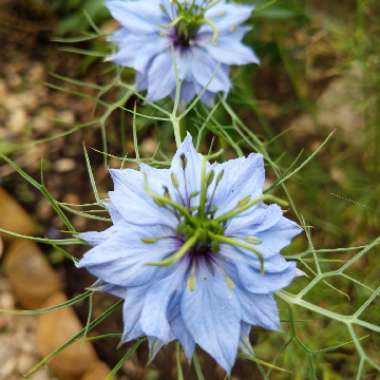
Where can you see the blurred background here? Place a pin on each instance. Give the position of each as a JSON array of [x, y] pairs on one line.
[[320, 73]]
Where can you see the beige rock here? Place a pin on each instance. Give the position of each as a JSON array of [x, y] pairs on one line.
[[18, 120], [53, 330], [30, 275], [99, 372], [14, 218], [64, 165]]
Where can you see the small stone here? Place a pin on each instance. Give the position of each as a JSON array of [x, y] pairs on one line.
[[30, 275], [18, 120], [64, 165], [25, 363], [99, 372], [53, 330], [7, 369], [14, 218]]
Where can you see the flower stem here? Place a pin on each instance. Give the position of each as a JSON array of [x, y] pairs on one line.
[[177, 130]]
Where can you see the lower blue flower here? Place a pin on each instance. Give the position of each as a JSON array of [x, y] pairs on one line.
[[194, 252]]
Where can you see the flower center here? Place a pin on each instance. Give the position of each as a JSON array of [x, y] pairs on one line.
[[184, 29], [198, 229], [184, 34]]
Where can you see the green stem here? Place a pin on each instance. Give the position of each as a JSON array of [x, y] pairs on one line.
[[177, 130]]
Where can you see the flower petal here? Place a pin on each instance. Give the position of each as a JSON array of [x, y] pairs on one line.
[[212, 314], [154, 318], [208, 73], [259, 309], [242, 177], [161, 76], [137, 16], [133, 304], [230, 51], [229, 16], [123, 259]]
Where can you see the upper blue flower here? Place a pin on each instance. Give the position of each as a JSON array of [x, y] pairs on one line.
[[192, 41], [194, 252]]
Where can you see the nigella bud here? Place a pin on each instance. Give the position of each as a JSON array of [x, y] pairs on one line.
[[175, 181], [210, 178], [183, 161]]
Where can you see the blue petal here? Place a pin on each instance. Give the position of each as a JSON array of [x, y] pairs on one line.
[[141, 81], [212, 314], [95, 238], [137, 16], [257, 219], [230, 51], [123, 259], [117, 291], [208, 73], [132, 308], [259, 309], [242, 177], [161, 76], [138, 51], [190, 177], [245, 343], [227, 17], [154, 318], [182, 334], [278, 237], [252, 280], [272, 264], [155, 346], [137, 207]]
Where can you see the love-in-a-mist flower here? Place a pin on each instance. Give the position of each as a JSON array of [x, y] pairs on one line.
[[192, 41], [194, 252]]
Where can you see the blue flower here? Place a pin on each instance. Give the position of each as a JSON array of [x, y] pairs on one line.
[[192, 41], [194, 252]]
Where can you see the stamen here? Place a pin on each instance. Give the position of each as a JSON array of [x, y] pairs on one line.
[[183, 161], [253, 240], [191, 283], [245, 205], [229, 282], [164, 201], [150, 241], [237, 243], [214, 28], [211, 207], [175, 181], [179, 254]]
